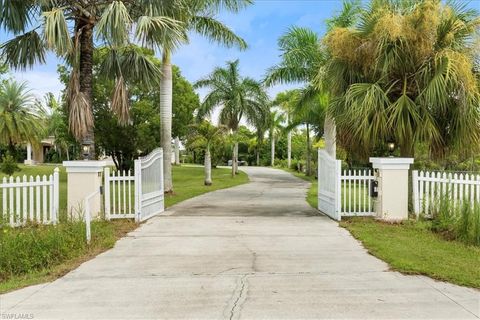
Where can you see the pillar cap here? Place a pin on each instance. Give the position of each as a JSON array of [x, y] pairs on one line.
[[391, 163], [86, 166]]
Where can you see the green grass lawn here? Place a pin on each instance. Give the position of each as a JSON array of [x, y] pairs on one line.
[[63, 248], [412, 248]]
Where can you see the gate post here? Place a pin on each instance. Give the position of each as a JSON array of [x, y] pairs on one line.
[[392, 176], [83, 179]]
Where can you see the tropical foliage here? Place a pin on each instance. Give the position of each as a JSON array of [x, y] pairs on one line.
[[406, 71]]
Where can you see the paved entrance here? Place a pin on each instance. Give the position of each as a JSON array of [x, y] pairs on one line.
[[256, 251]]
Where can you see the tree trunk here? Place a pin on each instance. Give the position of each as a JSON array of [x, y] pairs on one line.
[[86, 77], [258, 156], [233, 161], [208, 167], [309, 153], [236, 157], [166, 120], [177, 151], [272, 149], [330, 136], [289, 146]]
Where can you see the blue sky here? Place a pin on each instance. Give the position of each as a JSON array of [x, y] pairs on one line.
[[260, 25]]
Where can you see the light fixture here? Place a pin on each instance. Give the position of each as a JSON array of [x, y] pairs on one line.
[[391, 147], [87, 149]]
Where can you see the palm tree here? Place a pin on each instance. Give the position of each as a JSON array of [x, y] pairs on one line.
[[197, 16], [239, 97], [205, 134], [40, 26], [20, 118], [303, 60], [275, 129], [285, 100], [406, 72]]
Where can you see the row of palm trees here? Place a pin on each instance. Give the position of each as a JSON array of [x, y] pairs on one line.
[[71, 29]]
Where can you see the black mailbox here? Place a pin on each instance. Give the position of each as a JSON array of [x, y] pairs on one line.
[[374, 189]]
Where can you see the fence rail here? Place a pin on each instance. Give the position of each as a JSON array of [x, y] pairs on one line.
[[30, 199], [430, 187]]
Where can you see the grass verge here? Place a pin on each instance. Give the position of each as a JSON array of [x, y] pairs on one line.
[[188, 182], [412, 248], [39, 253]]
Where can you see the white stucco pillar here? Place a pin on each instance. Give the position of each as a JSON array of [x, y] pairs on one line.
[[29, 160], [83, 179], [392, 177]]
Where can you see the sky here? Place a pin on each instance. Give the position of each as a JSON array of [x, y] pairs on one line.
[[260, 24]]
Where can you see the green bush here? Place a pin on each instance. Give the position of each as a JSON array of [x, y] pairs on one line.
[[40, 247], [9, 165]]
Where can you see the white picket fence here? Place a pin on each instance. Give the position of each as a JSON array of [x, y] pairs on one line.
[[343, 192], [119, 194], [430, 187], [32, 199], [355, 192]]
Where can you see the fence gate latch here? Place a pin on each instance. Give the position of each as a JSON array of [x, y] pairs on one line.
[[374, 189]]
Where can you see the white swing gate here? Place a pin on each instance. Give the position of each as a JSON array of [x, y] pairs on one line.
[[329, 184], [343, 192], [139, 195]]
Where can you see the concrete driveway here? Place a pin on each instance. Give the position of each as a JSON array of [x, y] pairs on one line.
[[256, 251]]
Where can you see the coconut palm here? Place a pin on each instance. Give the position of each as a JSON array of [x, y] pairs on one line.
[[239, 98], [20, 118], [40, 26], [406, 72], [197, 16], [275, 129], [204, 135]]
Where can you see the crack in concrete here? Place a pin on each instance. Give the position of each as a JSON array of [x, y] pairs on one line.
[[237, 303]]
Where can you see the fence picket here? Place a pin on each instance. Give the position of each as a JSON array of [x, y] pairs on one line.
[[31, 198]]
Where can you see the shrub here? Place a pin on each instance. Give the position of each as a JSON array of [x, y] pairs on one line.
[[9, 165], [460, 222]]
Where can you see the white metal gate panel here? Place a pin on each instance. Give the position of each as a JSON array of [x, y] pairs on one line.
[[355, 192], [329, 185], [149, 185]]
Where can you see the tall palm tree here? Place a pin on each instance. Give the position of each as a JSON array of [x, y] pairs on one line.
[[239, 97], [39, 26], [302, 58], [197, 16], [20, 118], [205, 134], [407, 72], [285, 100], [275, 129]]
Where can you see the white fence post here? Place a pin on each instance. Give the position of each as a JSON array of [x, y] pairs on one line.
[[56, 195], [138, 189], [416, 200], [107, 192], [338, 189]]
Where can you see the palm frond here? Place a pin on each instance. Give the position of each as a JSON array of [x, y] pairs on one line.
[[120, 101], [216, 31], [24, 51], [114, 24], [57, 36]]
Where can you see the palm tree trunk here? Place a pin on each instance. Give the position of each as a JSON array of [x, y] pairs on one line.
[[86, 76], [309, 155], [166, 120], [208, 167], [258, 156], [177, 151], [272, 162], [330, 136], [236, 157]]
